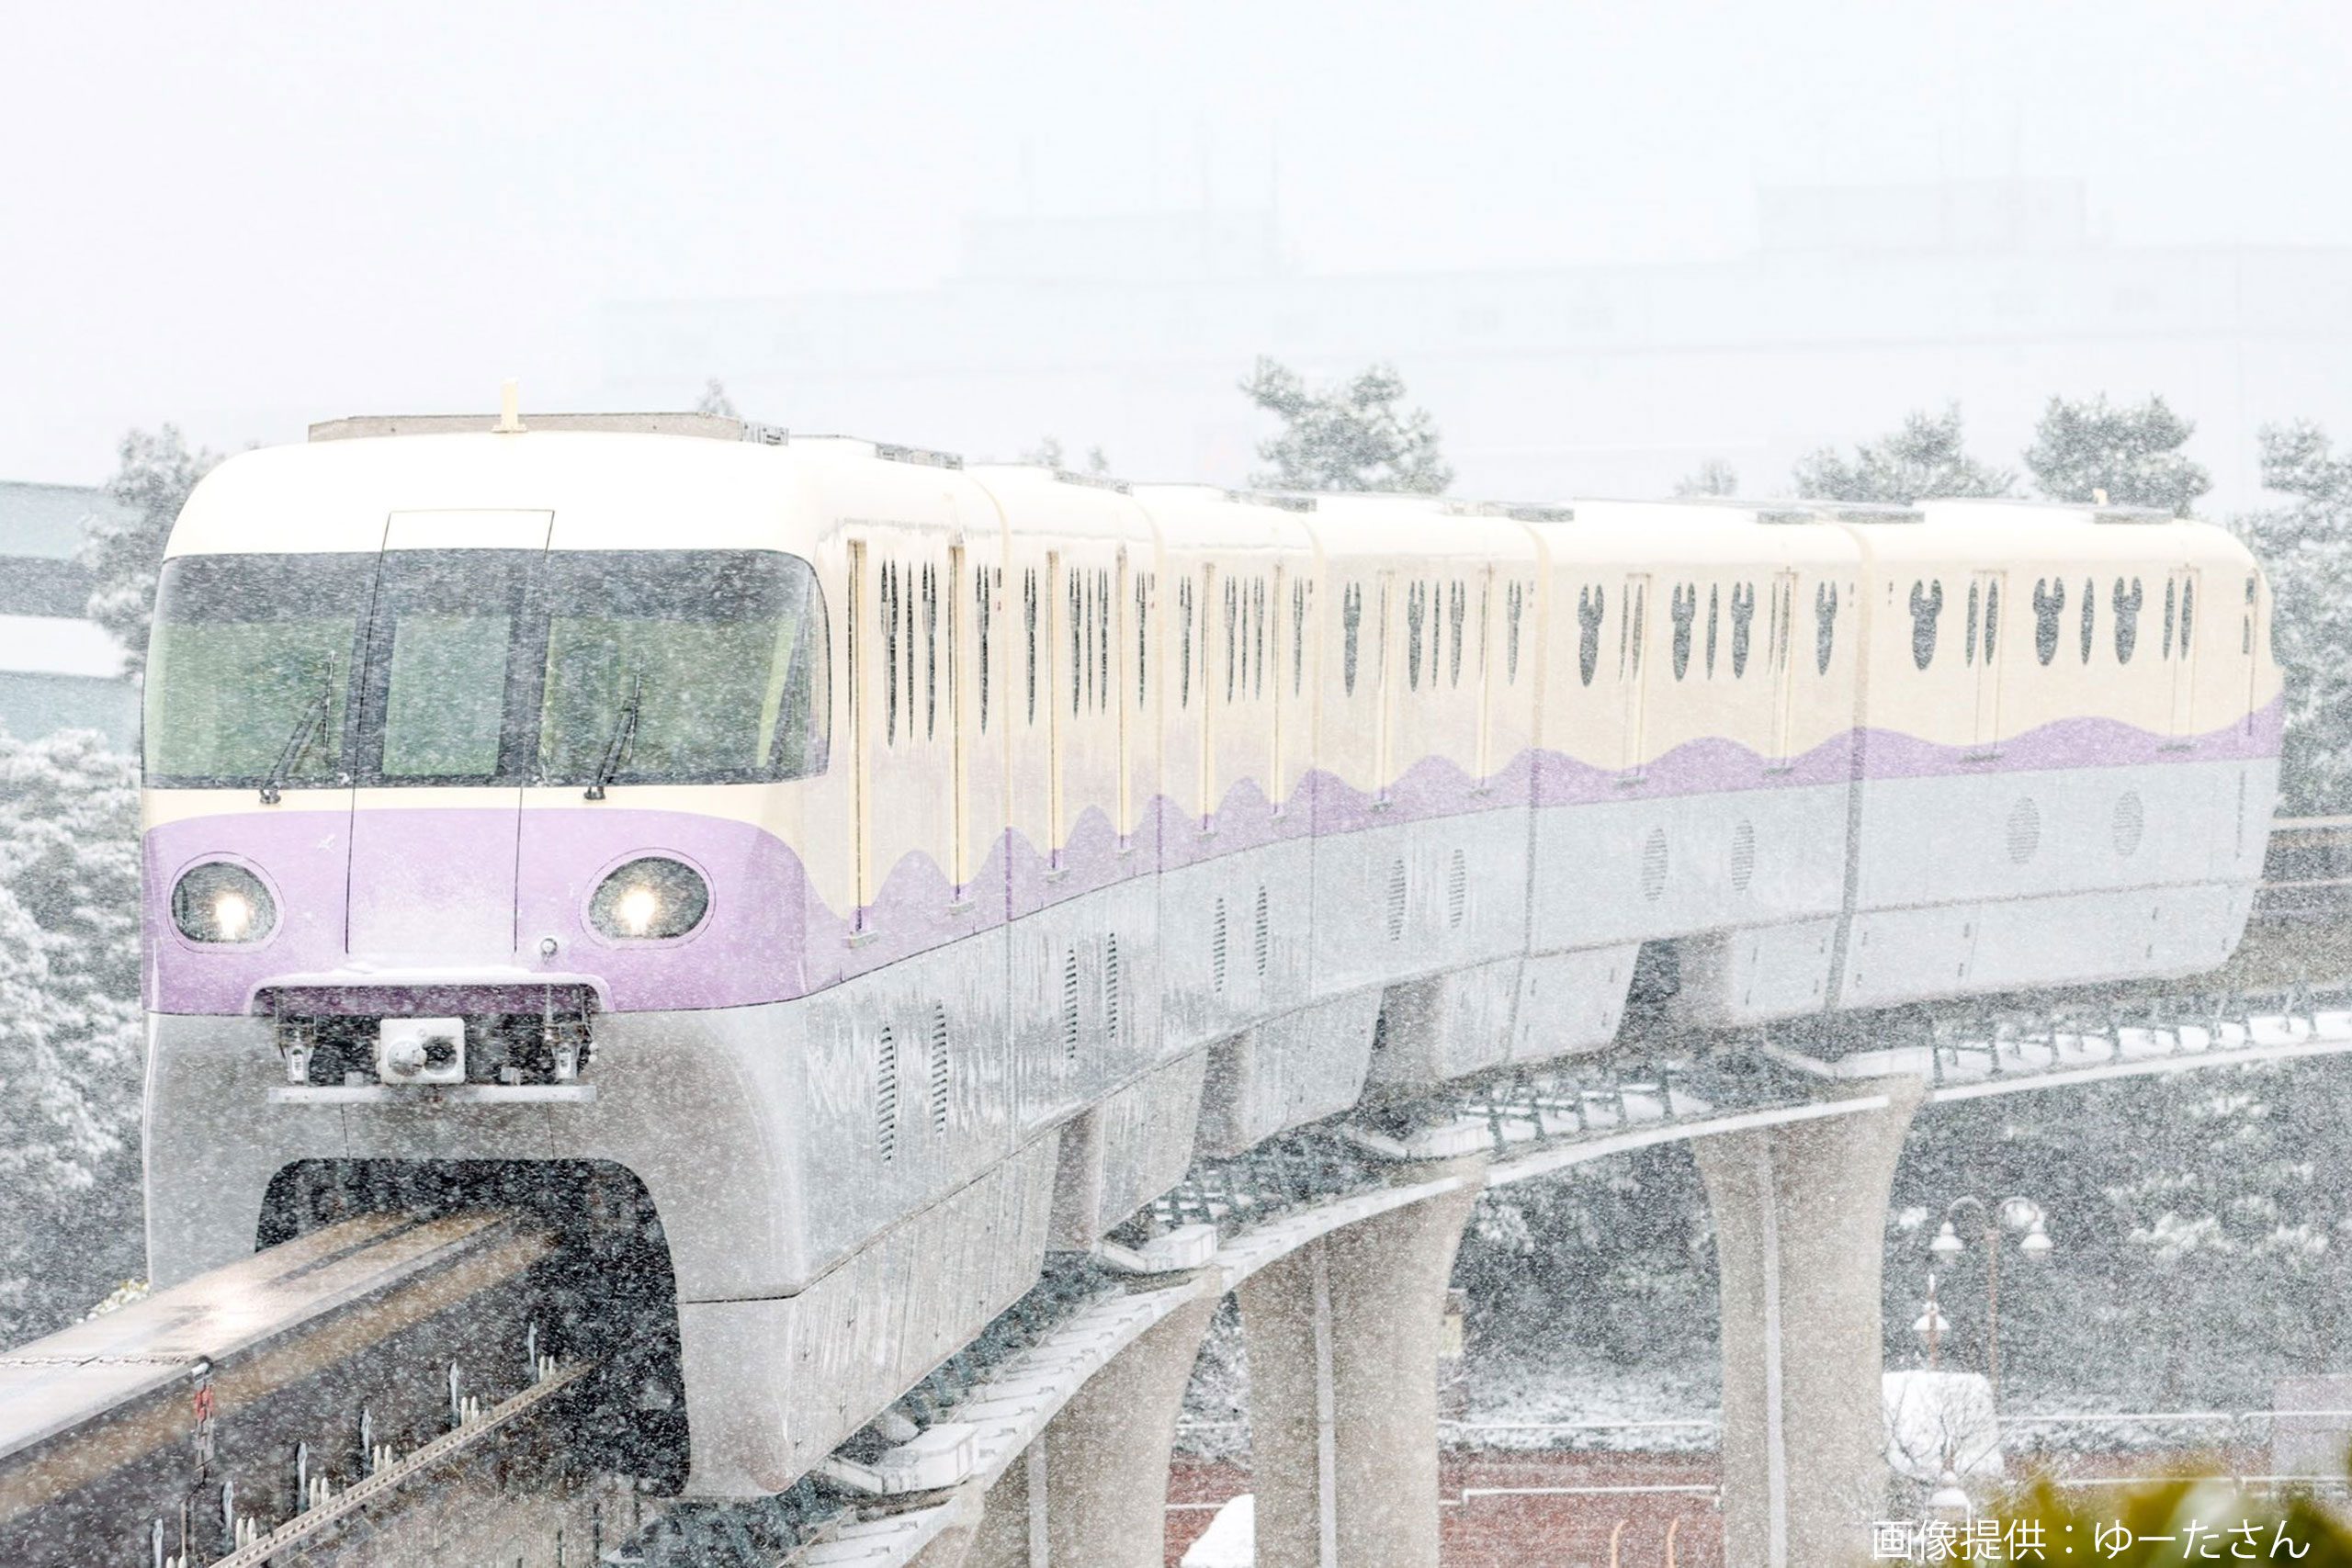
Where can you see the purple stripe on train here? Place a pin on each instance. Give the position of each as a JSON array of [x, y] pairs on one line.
[[769, 939]]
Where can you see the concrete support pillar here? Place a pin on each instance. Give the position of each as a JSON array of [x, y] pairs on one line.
[[1342, 1337], [1092, 1492], [1800, 1213]]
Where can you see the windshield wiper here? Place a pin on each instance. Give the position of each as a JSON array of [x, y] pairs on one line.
[[624, 732], [309, 728]]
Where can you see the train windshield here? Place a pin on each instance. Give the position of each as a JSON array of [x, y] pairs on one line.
[[486, 667], [671, 666], [249, 669]]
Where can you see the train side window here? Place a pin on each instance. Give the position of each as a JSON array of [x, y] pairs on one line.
[[1927, 605], [1298, 638], [2091, 616], [1102, 637], [2187, 612], [2245, 639], [2168, 617], [2049, 603], [1682, 608], [1184, 643], [907, 595], [1824, 626], [1743, 619], [1413, 637], [930, 652], [1258, 638], [982, 604], [1233, 633], [1143, 638], [1350, 629], [1460, 609], [1515, 598], [1029, 612], [2127, 618], [1592, 608], [1992, 618], [1715, 604], [1968, 655], [1081, 665]]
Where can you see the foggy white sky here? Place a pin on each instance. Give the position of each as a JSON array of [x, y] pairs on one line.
[[245, 219]]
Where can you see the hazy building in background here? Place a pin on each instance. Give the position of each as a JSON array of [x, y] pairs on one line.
[[59, 669], [1858, 304]]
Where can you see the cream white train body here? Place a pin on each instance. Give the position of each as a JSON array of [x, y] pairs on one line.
[[889, 871]]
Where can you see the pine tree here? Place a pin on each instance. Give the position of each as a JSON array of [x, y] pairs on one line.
[[2132, 456], [70, 1028], [124, 555], [715, 401], [1713, 477], [1351, 435], [2305, 547], [1927, 456]]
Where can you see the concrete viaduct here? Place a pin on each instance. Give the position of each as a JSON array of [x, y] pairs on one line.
[[1057, 1457]]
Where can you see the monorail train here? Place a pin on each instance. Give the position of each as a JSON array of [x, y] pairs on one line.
[[889, 871]]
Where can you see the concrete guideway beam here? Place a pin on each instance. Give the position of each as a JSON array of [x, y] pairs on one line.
[[1091, 1490], [1342, 1339], [1799, 1213]]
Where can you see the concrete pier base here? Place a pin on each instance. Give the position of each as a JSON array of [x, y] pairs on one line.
[[1092, 1492], [1342, 1337], [1799, 1216]]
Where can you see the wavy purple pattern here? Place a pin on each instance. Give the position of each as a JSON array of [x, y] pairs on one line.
[[770, 938]]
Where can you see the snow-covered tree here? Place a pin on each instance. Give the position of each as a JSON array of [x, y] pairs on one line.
[[2131, 455], [70, 1028], [124, 555], [714, 400], [1351, 435], [1713, 477], [2305, 547], [1927, 456], [1050, 453]]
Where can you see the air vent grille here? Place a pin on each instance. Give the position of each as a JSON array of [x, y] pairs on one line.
[[885, 1094], [2025, 830], [939, 1069], [1653, 865]]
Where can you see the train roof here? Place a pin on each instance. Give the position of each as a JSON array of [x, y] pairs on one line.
[[715, 482]]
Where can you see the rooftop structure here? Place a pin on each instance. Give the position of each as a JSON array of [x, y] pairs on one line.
[[59, 669]]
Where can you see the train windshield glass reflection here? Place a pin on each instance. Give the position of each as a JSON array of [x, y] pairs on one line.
[[250, 665], [678, 666], [487, 666]]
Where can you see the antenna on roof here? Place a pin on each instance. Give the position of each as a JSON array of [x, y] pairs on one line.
[[510, 408]]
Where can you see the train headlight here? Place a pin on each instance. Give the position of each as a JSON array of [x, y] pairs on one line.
[[222, 902], [649, 900]]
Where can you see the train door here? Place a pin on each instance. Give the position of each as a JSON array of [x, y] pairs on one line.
[[1204, 762], [1632, 631], [859, 640], [447, 697], [1780, 658], [1121, 635], [959, 786], [1057, 626], [1982, 646], [2180, 648], [1485, 674]]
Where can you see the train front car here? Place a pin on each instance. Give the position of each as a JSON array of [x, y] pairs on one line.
[[486, 781]]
